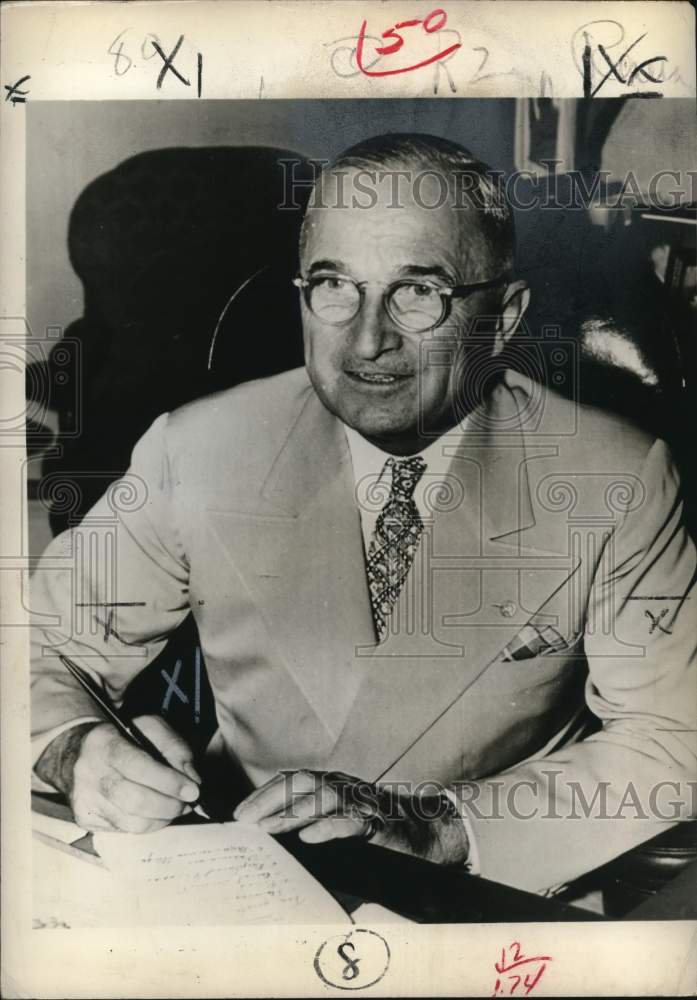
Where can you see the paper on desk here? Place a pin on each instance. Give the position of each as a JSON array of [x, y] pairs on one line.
[[59, 829], [73, 891], [218, 873], [374, 913]]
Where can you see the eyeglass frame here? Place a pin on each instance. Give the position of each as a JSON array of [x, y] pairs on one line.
[[446, 292]]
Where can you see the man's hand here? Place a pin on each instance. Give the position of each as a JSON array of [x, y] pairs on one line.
[[113, 785], [325, 805]]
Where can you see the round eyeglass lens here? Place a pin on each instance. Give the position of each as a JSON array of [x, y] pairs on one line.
[[334, 300], [415, 307]]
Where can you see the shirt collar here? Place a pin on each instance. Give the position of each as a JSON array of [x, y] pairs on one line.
[[369, 460]]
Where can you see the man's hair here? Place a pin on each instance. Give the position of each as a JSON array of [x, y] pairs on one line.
[[473, 185]]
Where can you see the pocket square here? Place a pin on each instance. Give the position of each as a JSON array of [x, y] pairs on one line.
[[537, 640]]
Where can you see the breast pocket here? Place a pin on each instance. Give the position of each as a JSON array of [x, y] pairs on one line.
[[540, 640]]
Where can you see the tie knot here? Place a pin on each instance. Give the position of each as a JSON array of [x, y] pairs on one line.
[[406, 473]]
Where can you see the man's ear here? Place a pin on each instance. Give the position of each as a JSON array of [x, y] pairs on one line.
[[515, 301]]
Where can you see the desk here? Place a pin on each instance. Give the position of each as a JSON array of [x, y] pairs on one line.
[[355, 872]]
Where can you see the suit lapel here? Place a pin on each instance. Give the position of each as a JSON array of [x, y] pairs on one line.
[[476, 560], [298, 545], [300, 552]]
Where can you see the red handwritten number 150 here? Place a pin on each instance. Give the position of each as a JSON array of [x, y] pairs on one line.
[[431, 23]]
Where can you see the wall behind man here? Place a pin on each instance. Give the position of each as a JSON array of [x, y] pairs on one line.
[[69, 144]]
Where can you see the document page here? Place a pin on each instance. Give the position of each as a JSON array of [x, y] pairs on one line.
[[72, 889], [58, 829], [222, 873]]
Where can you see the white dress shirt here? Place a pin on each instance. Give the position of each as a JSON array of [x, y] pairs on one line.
[[368, 471]]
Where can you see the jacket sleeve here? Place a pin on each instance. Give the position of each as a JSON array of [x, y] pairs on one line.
[[107, 592], [549, 820]]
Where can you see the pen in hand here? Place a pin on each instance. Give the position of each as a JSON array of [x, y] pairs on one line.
[[120, 721]]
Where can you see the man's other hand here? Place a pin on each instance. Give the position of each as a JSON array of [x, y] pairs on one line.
[[113, 785], [324, 805]]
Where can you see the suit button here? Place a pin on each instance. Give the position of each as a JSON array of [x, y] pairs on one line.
[[507, 609]]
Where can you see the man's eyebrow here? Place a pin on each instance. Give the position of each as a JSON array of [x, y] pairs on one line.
[[327, 265], [407, 271], [428, 271]]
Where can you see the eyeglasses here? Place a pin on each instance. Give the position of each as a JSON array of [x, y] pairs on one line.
[[414, 305]]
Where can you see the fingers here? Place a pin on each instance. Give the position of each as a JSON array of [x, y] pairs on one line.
[[278, 794], [330, 805], [138, 766], [118, 786], [333, 828], [246, 805], [111, 818], [91, 818], [139, 800], [173, 748], [296, 799], [96, 812], [302, 811]]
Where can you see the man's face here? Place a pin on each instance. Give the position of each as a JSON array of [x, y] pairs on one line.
[[393, 386]]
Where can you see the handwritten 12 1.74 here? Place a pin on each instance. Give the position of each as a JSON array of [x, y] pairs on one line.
[[517, 973]]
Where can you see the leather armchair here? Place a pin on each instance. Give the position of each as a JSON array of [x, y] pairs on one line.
[[160, 244]]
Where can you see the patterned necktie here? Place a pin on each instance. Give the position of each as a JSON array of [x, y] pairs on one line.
[[395, 538]]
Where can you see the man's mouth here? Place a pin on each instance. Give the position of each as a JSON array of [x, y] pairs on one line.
[[377, 378]]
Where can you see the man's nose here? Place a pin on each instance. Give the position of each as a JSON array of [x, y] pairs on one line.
[[373, 331]]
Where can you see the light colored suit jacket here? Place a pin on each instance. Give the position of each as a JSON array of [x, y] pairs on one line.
[[523, 626]]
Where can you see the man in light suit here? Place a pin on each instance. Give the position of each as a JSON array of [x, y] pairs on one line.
[[429, 592]]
